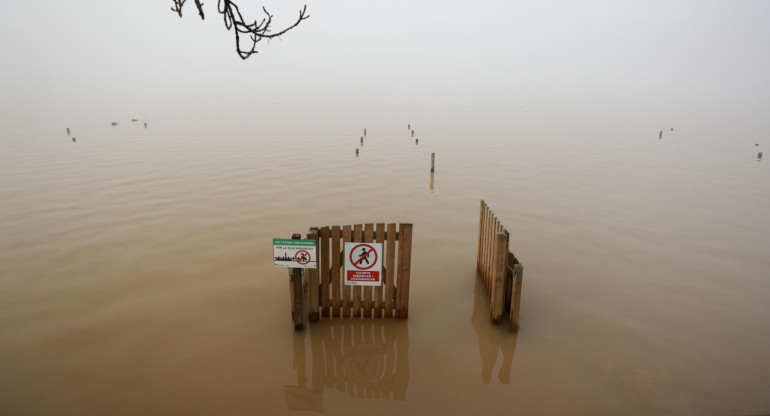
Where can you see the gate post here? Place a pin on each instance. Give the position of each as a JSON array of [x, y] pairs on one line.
[[295, 279]]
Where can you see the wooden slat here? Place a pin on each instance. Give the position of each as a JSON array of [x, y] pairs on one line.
[[346, 302], [516, 300], [390, 271], [498, 293], [357, 237], [325, 268], [487, 246], [405, 267], [368, 238], [491, 229], [380, 233], [335, 271], [313, 282], [481, 234]]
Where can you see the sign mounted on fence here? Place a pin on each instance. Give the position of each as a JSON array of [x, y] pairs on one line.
[[363, 264], [298, 254]]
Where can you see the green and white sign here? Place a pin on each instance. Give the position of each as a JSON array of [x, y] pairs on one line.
[[298, 254]]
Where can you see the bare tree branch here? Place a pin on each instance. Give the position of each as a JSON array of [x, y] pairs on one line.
[[254, 32], [177, 7]]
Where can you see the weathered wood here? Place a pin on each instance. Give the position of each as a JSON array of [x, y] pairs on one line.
[[501, 255], [296, 287], [481, 234], [380, 238], [432, 162], [404, 272], [313, 286], [347, 235], [368, 238], [389, 272], [358, 236], [516, 300], [336, 307], [325, 272]]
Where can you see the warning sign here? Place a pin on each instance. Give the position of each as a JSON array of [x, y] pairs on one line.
[[363, 264], [298, 254]]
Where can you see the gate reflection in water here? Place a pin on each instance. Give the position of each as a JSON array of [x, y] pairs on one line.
[[493, 338], [365, 359]]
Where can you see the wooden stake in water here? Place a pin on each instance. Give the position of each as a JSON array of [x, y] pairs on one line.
[[362, 140], [74, 140], [364, 132], [416, 141], [68, 131], [356, 152], [295, 280], [432, 162], [313, 283], [409, 126], [660, 135], [759, 155], [412, 133]]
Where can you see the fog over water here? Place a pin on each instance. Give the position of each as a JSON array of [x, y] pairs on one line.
[[135, 263]]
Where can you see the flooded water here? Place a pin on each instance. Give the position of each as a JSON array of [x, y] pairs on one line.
[[136, 272]]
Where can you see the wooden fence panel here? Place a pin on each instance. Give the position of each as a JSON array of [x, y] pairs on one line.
[[499, 270], [321, 293]]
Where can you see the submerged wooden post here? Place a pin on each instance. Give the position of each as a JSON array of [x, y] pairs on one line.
[[416, 141], [336, 257], [364, 132], [389, 271], [362, 140], [368, 290], [295, 278], [498, 276], [312, 281], [404, 261], [324, 267], [759, 155], [518, 277], [74, 140], [68, 130], [412, 133], [356, 152], [409, 126], [660, 135], [432, 162]]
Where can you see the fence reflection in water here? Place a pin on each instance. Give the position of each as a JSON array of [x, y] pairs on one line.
[[492, 339], [363, 358]]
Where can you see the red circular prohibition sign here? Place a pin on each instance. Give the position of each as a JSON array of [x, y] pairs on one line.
[[368, 249], [298, 257]]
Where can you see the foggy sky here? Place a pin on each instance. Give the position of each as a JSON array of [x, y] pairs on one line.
[[102, 59]]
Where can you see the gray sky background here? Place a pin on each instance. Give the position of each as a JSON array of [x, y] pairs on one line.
[[95, 59]]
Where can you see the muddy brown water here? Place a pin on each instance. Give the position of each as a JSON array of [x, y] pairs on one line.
[[136, 273]]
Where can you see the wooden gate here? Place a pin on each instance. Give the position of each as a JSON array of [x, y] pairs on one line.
[[498, 268], [320, 293]]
